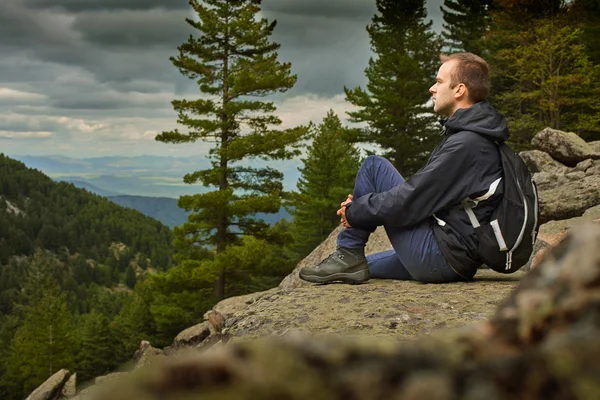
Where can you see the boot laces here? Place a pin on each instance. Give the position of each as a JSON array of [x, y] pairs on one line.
[[336, 253]]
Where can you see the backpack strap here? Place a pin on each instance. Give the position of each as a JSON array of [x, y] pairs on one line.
[[469, 204]]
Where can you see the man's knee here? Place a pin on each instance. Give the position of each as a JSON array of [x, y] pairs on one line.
[[374, 160]]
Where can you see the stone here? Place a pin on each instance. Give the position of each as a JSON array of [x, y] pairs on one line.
[[229, 307], [553, 232], [584, 165], [70, 387], [595, 146], [564, 196], [146, 355], [216, 321], [193, 335], [539, 161], [110, 377], [565, 147], [51, 389]]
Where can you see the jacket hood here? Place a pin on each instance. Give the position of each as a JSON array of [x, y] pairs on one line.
[[480, 118]]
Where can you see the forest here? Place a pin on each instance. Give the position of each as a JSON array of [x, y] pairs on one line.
[[83, 281]]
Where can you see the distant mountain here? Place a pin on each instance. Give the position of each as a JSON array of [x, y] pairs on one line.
[[93, 189], [149, 176], [136, 185], [165, 209]]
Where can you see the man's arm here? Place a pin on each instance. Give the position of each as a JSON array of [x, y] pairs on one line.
[[446, 180]]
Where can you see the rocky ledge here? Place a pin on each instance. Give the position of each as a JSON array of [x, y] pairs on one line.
[[543, 342]]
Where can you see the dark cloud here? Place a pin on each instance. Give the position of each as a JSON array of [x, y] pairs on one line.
[[84, 5], [77, 65], [128, 28], [338, 9], [327, 50]]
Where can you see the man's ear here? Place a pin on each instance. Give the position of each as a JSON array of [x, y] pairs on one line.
[[460, 91]]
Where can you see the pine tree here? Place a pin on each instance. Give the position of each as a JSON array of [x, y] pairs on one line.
[[235, 65], [465, 22], [134, 322], [543, 75], [585, 14], [43, 344], [328, 176], [97, 347], [130, 277], [557, 84], [394, 104]]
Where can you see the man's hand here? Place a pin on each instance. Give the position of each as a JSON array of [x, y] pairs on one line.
[[342, 211]]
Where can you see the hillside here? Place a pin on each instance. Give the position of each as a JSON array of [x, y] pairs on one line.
[[38, 212], [68, 261]]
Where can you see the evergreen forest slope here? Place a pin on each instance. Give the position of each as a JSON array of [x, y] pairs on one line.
[[69, 261], [38, 212]]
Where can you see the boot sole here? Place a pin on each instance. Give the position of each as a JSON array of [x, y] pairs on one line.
[[352, 278]]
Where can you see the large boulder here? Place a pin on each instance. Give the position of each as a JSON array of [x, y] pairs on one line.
[[539, 161], [542, 343], [595, 146], [553, 232], [566, 147], [70, 387], [570, 194], [52, 388], [193, 335]]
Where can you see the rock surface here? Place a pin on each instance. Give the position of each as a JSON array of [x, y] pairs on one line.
[[539, 161], [595, 146], [553, 232], [193, 335], [569, 187], [567, 195], [401, 309], [70, 387], [543, 342], [51, 389], [145, 355], [565, 147]]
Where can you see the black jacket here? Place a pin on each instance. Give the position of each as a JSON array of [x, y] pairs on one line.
[[463, 165]]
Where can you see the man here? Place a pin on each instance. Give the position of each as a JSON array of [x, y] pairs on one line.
[[428, 228]]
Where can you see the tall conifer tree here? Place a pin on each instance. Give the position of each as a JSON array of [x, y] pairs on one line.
[[400, 75], [465, 22], [235, 66], [542, 72], [97, 347], [43, 344], [328, 176], [586, 15]]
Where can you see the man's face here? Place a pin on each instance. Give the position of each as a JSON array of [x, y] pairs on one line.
[[444, 101]]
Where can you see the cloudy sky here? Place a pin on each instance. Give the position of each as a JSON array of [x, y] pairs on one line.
[[87, 78]]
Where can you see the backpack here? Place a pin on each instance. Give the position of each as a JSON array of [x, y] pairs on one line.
[[506, 242]]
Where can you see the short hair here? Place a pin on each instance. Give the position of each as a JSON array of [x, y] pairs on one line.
[[472, 71]]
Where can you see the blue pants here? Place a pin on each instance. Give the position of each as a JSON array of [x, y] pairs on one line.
[[416, 254]]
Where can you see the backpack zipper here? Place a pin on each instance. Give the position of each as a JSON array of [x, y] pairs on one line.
[[535, 212], [522, 233]]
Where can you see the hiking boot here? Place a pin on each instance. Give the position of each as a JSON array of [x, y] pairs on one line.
[[346, 265]]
